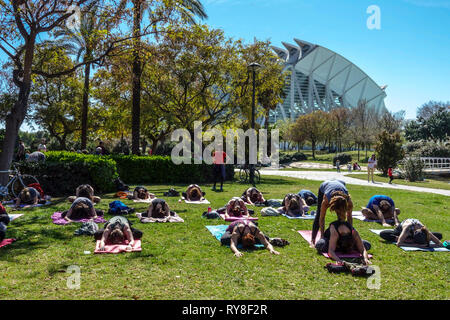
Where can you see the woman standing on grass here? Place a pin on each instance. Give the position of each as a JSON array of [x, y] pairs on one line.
[[372, 163], [327, 191]]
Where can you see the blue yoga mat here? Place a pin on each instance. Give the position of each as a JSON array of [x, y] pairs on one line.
[[218, 231], [376, 231]]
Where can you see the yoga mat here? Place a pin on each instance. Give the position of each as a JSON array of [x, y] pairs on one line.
[[306, 234], [13, 217], [144, 201], [172, 219], [307, 217], [196, 202], [57, 219], [218, 231], [358, 215], [6, 242], [376, 231], [118, 248], [26, 206], [231, 219]]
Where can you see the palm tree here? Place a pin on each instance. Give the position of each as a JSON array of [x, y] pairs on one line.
[[83, 43], [188, 10]]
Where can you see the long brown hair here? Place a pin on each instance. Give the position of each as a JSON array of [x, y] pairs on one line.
[[248, 241], [116, 236], [339, 204]]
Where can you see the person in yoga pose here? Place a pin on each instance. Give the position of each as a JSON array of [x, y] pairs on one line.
[[253, 196], [246, 233], [81, 208], [327, 191], [235, 208], [4, 221], [340, 235], [142, 194], [116, 231], [381, 208], [158, 209], [194, 193], [309, 197], [29, 196], [412, 232], [293, 205], [85, 191]]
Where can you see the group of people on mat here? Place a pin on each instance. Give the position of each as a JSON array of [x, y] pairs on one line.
[[340, 236]]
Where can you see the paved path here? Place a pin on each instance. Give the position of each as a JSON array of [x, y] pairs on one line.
[[326, 175]]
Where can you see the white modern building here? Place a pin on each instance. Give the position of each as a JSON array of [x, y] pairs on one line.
[[322, 80]]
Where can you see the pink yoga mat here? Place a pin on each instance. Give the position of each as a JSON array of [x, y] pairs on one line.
[[5, 242], [57, 219], [231, 219], [306, 234], [118, 248]]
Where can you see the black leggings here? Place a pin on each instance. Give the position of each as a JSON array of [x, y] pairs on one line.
[[315, 227], [392, 235]]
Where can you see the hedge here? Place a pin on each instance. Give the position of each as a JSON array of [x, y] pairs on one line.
[[160, 169], [63, 171], [343, 158]]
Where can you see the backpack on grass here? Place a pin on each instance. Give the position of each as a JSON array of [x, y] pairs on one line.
[[117, 208]]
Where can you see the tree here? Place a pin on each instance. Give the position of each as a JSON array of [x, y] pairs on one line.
[[430, 108], [391, 122], [21, 24], [435, 126], [160, 13], [309, 127], [388, 150], [363, 119], [339, 123]]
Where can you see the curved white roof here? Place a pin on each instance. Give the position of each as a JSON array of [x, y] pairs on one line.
[[323, 79]]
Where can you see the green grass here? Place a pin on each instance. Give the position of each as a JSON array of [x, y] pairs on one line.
[[184, 261], [434, 182]]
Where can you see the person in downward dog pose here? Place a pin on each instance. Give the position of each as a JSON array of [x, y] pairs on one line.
[[381, 208], [84, 191], [81, 208]]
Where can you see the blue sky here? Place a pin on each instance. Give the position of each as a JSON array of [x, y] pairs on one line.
[[410, 53]]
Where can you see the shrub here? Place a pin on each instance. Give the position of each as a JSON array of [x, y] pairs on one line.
[[287, 157], [433, 149], [62, 172], [343, 158], [413, 169], [161, 169]]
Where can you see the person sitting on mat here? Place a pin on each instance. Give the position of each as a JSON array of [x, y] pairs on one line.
[[235, 208], [341, 236], [116, 231], [142, 194], [85, 191], [381, 208], [309, 197], [246, 233], [412, 232], [158, 209], [81, 208], [293, 205], [4, 221], [194, 193], [327, 191], [29, 196], [253, 196]]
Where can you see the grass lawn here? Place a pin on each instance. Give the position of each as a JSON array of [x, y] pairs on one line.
[[184, 261], [324, 156], [435, 182]]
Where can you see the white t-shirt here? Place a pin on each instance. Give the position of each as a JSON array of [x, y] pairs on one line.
[[42, 147], [372, 163]]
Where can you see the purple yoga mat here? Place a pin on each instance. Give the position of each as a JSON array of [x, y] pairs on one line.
[[306, 234], [57, 219]]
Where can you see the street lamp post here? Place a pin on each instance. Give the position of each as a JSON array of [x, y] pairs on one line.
[[253, 67]]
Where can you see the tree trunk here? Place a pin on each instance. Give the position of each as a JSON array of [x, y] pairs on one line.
[[154, 145], [313, 145], [136, 79], [15, 118], [85, 106], [357, 145]]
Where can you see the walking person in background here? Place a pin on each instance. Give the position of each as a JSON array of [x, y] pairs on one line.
[[372, 163], [20, 155], [338, 166], [391, 175], [219, 173]]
